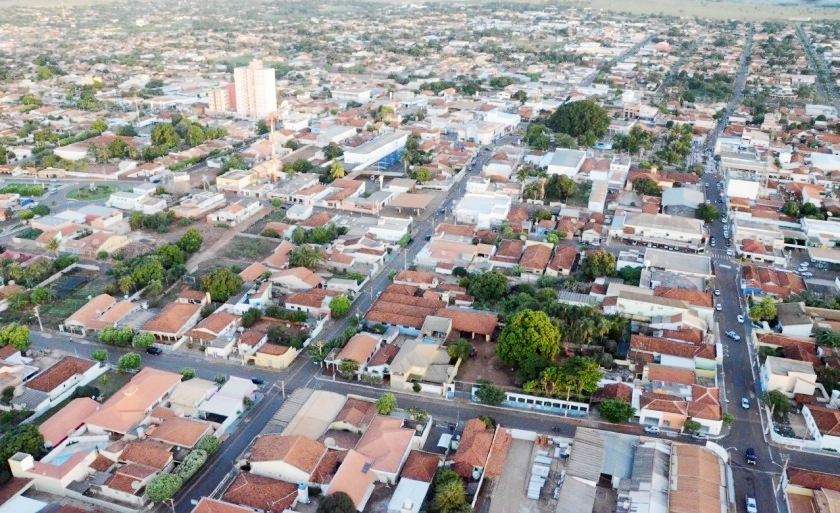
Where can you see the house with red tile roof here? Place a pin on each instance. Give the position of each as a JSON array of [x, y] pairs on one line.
[[355, 477], [67, 421], [823, 425], [297, 278], [562, 262], [536, 257], [387, 443], [288, 458], [261, 493]]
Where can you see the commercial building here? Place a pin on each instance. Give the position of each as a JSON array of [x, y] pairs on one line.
[[371, 152], [483, 210], [661, 229], [256, 93], [566, 162]]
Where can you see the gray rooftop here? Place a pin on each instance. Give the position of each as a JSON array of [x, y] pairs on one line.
[[567, 158], [678, 262], [377, 142]]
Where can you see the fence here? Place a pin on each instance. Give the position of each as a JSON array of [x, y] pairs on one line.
[[540, 404]]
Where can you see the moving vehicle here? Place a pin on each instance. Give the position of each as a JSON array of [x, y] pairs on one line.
[[257, 381], [750, 456], [154, 350], [729, 253], [719, 307], [699, 436], [717, 292], [652, 430], [745, 403], [751, 505]]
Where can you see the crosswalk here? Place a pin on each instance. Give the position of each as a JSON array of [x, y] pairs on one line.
[[291, 406]]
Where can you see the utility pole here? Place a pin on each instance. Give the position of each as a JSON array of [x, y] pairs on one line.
[[38, 316], [784, 472]]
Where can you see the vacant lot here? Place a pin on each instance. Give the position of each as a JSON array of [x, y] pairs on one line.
[[248, 250], [484, 365], [72, 290]]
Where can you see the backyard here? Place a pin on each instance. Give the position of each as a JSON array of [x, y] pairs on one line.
[[72, 291], [247, 249]]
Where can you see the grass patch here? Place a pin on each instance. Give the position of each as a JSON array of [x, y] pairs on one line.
[[99, 192], [29, 234], [73, 290], [23, 189], [246, 248], [581, 196], [114, 380]]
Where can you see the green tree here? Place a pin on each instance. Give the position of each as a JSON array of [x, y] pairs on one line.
[[598, 263], [764, 310], [129, 361], [21, 438], [559, 187], [450, 497], [209, 444], [617, 411], [100, 355], [647, 187], [386, 404], [41, 210], [262, 127], [15, 335], [191, 241], [41, 295], [584, 373], [127, 131], [337, 170], [187, 373], [347, 368], [537, 135], [305, 256], [339, 306], [460, 349], [778, 402], [692, 426], [488, 287], [338, 502], [791, 209], [422, 175], [98, 126], [163, 487], [631, 275], [143, 341], [528, 334], [221, 283], [488, 393], [25, 215], [708, 213], [584, 120], [251, 317], [332, 151]]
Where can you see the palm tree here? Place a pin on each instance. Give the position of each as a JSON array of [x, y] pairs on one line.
[[52, 245], [337, 170], [305, 256]]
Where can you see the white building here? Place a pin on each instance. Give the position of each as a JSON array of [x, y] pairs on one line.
[[375, 150], [391, 228], [483, 210], [334, 134], [359, 95], [821, 110], [566, 162], [824, 426], [256, 92], [141, 199]]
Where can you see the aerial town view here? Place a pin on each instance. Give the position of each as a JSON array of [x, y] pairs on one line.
[[274, 256]]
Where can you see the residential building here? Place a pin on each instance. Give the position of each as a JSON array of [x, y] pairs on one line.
[[788, 376], [256, 91]]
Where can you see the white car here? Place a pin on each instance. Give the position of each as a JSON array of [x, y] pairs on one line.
[[652, 430], [730, 253], [717, 292], [752, 507], [745, 403], [740, 319], [719, 307]]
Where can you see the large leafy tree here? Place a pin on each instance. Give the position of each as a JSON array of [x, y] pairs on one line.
[[560, 187], [221, 284], [339, 306], [305, 256], [190, 241], [338, 502], [616, 410], [163, 487], [647, 187], [584, 120], [764, 310], [528, 334], [386, 404], [488, 287], [708, 213], [598, 263], [15, 335]]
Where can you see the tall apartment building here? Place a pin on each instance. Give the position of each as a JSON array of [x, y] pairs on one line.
[[218, 100], [256, 93]]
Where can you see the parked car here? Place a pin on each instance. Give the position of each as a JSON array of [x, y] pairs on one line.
[[154, 350], [719, 307], [652, 430], [752, 507], [730, 253], [740, 319], [717, 292], [750, 456], [257, 381], [745, 403], [699, 436]]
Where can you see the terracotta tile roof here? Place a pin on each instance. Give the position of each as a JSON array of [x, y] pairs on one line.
[[665, 404], [357, 413], [213, 325], [273, 349], [385, 442], [279, 258], [264, 493], [298, 451], [172, 319], [102, 463], [208, 505], [359, 348], [354, 477], [692, 297], [147, 452], [470, 321], [54, 376], [813, 480], [66, 420], [614, 391], [535, 257], [416, 277], [124, 483], [420, 466], [180, 431], [671, 374], [12, 488], [385, 355], [826, 419], [328, 466], [564, 258], [473, 449], [253, 272], [7, 351], [659, 346], [126, 408]]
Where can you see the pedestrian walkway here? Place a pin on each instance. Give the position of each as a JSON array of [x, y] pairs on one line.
[[291, 406]]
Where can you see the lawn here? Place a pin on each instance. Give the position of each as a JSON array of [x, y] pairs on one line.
[[72, 291], [99, 192], [23, 189], [246, 248]]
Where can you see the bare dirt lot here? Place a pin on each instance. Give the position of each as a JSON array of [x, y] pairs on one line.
[[485, 365]]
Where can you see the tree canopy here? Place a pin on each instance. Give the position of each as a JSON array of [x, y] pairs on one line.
[[598, 263], [15, 335], [585, 120], [528, 334], [764, 310], [338, 502], [488, 287], [222, 283], [616, 410], [339, 306], [708, 213]]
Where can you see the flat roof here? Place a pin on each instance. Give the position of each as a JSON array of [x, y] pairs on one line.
[[567, 158], [485, 204], [377, 142], [678, 262], [825, 255], [412, 200]]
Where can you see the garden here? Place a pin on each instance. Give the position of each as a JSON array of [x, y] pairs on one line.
[[90, 194]]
